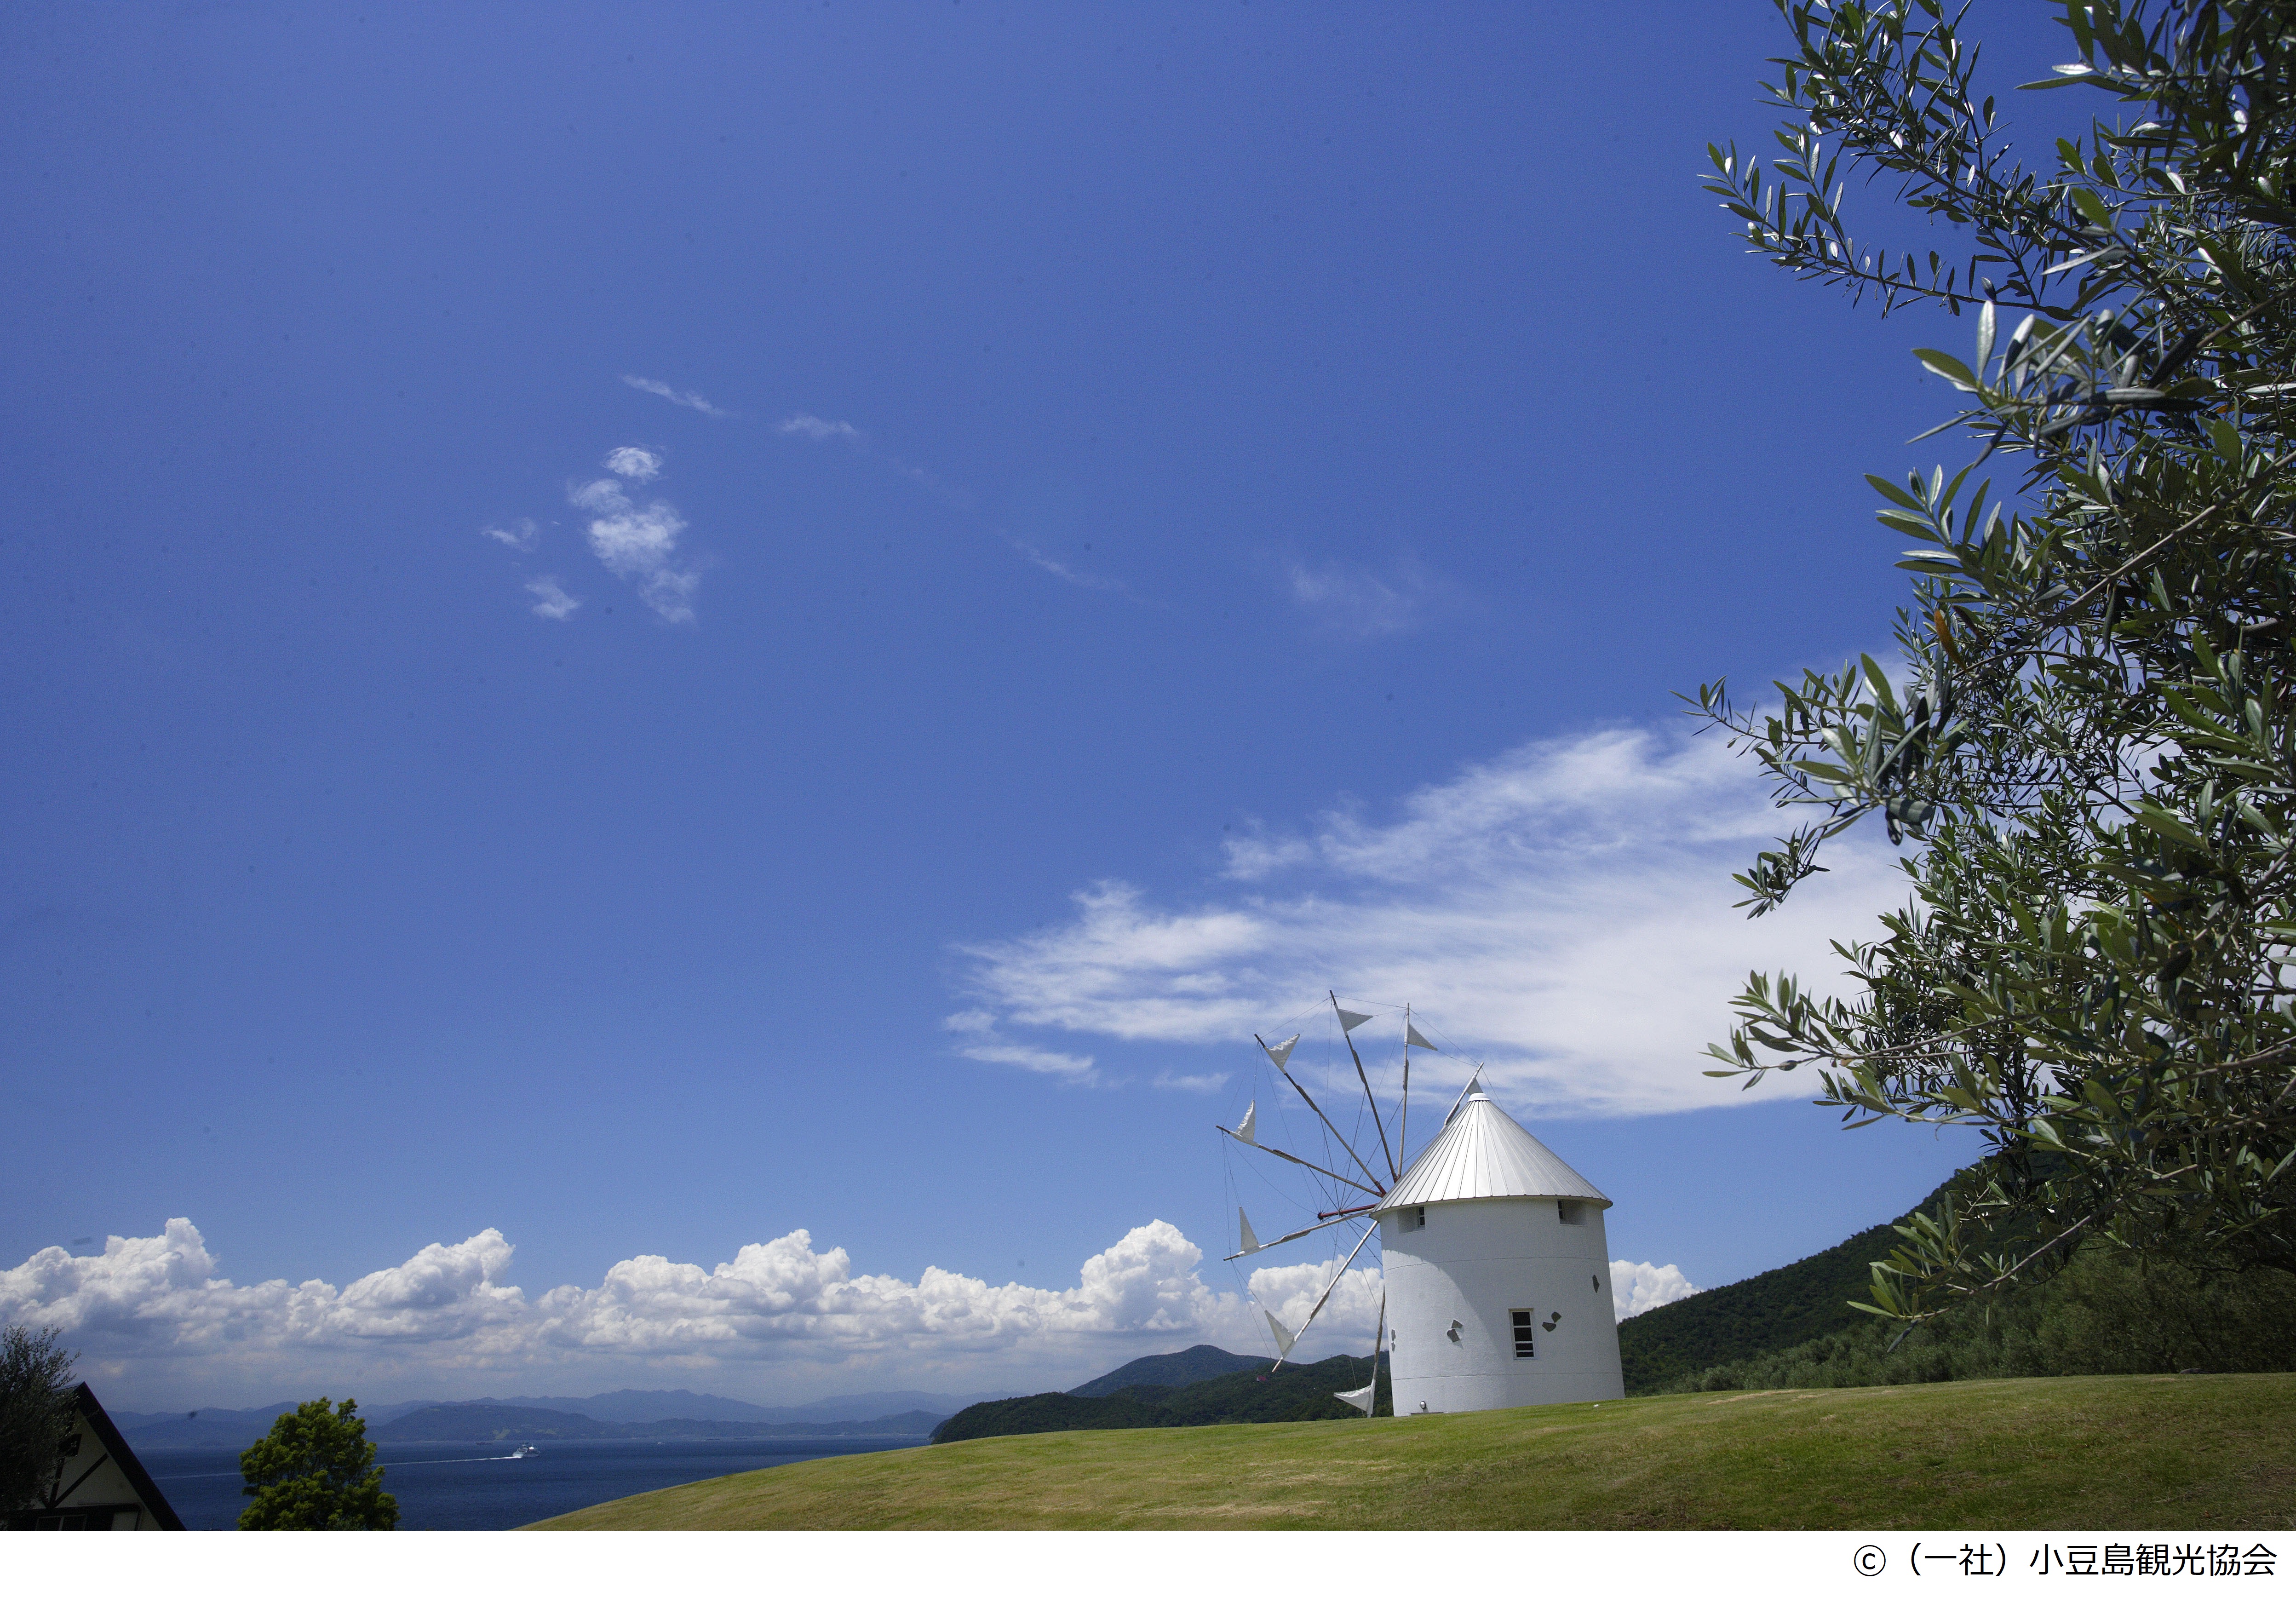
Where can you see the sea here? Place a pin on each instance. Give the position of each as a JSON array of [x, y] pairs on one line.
[[462, 1487]]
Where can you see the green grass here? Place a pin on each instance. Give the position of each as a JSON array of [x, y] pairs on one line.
[[2194, 1451]]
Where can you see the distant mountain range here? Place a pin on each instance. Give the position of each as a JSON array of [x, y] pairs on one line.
[[503, 1422], [242, 1427]]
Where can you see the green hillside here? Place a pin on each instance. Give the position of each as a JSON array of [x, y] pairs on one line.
[[1248, 1397], [1777, 1309], [2103, 1312], [1200, 1363], [2195, 1453]]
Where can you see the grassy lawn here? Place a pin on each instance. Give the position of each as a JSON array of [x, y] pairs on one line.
[[2190, 1451]]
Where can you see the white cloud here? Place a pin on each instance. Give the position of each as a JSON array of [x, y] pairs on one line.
[[156, 1318], [639, 466], [815, 428], [691, 400], [1075, 1067], [1357, 602], [1635, 1288], [990, 1048], [1066, 573], [1562, 912], [521, 535], [1190, 1084], [157, 1315], [551, 601], [634, 542]]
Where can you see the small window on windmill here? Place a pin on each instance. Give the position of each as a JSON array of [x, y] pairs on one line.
[[1413, 1218], [1522, 1318], [1569, 1212]]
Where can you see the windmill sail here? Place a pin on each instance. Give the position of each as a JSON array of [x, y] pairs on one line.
[[1260, 1247], [1363, 1396], [1243, 1133], [1282, 1051], [1284, 1338], [1350, 1019], [1339, 1275], [1245, 1241], [1412, 1039]]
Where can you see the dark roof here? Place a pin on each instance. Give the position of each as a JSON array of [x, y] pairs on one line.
[[122, 1454]]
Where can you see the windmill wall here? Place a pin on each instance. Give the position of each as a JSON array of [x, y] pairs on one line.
[[1477, 1262]]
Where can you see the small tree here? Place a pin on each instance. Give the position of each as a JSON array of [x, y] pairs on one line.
[[36, 1411], [2093, 740], [317, 1471]]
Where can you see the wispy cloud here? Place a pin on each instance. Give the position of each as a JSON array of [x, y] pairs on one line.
[[691, 400], [521, 535], [1355, 602], [1563, 911], [818, 429], [551, 601], [1066, 573], [1045, 1062], [637, 542], [984, 1044], [1191, 1084]]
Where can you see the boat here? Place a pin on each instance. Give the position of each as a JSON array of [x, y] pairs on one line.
[[527, 1451]]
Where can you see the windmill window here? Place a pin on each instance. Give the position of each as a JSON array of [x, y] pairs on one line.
[[1569, 1213], [1413, 1218], [1522, 1318]]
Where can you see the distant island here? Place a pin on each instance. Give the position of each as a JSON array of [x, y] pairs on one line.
[[499, 1422]]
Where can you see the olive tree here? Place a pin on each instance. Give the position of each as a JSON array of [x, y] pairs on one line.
[[2088, 750], [38, 1412], [317, 1471]]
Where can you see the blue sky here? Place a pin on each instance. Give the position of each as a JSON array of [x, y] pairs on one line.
[[636, 630]]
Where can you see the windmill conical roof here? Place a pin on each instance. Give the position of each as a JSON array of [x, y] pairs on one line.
[[1483, 1153]]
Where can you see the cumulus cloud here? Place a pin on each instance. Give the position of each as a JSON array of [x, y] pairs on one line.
[[551, 601], [818, 429], [662, 391], [158, 1312], [1563, 911], [521, 535], [637, 542], [639, 466], [1636, 1288]]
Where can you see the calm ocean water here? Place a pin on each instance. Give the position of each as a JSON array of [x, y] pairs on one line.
[[452, 1487]]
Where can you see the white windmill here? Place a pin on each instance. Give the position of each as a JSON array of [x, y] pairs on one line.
[[1484, 1236]]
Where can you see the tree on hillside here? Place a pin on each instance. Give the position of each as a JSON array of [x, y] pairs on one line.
[[317, 1471], [36, 1411], [2092, 742]]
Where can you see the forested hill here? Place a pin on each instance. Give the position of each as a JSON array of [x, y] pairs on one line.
[[1247, 1396], [1777, 1309], [1200, 1363]]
